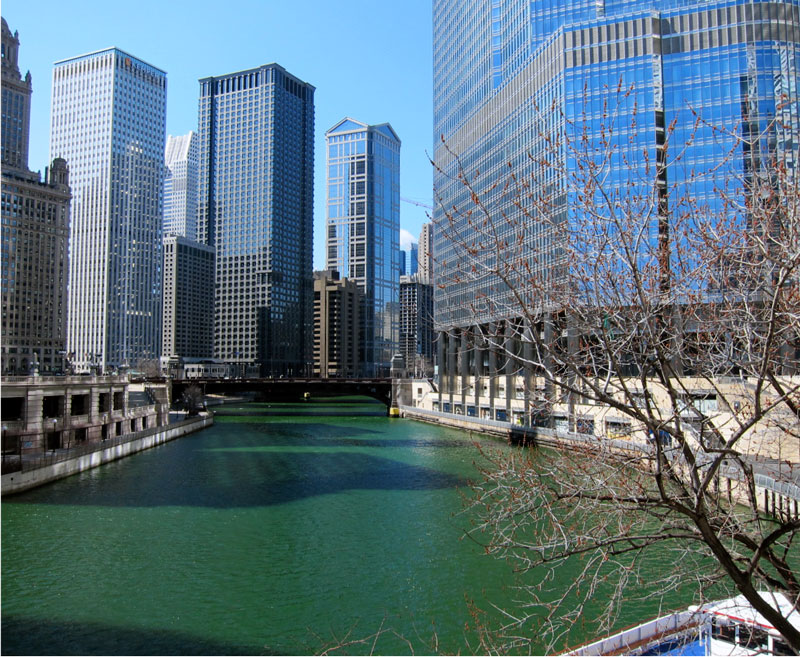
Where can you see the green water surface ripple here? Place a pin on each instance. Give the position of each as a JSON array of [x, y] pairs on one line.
[[281, 530]]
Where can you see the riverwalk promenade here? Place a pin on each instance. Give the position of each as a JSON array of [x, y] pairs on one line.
[[777, 482]]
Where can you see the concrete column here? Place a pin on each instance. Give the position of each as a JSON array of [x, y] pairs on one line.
[[464, 370], [530, 379], [440, 361], [492, 373]]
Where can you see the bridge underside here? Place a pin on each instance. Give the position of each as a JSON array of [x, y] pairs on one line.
[[288, 390]]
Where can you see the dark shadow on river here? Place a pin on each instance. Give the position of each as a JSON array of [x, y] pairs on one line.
[[242, 476], [38, 637]]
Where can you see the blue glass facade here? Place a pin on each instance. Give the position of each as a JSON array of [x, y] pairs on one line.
[[509, 73], [363, 229], [256, 162]]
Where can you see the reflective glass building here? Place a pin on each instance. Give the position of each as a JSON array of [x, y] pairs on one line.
[[363, 229], [507, 73], [255, 207], [108, 121]]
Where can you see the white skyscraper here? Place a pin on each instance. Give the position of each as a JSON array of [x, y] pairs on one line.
[[108, 122], [180, 186]]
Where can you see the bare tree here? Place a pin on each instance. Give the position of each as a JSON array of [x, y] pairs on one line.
[[660, 307], [193, 400]]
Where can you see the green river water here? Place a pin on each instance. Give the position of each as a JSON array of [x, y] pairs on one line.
[[278, 531]]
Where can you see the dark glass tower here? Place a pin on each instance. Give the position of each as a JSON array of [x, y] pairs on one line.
[[363, 237], [255, 207]]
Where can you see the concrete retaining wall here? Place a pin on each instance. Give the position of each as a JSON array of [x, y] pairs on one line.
[[16, 482], [773, 497]]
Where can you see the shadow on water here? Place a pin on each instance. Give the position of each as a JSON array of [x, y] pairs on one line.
[[288, 434], [242, 476], [22, 636]]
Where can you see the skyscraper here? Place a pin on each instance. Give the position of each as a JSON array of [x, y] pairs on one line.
[[515, 81], [35, 217], [508, 76], [108, 121], [416, 325], [188, 310], [363, 229], [256, 150], [425, 253], [337, 306], [180, 186], [409, 260]]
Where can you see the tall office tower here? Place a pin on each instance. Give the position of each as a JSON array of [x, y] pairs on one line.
[[256, 141], [416, 325], [409, 260], [188, 311], [35, 217], [363, 222], [425, 253], [16, 104], [108, 121], [337, 308], [180, 186], [510, 75]]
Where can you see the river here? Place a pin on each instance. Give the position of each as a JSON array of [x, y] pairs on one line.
[[283, 529]]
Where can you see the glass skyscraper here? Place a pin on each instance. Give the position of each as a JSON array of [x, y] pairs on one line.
[[363, 229], [108, 122], [256, 162], [508, 74]]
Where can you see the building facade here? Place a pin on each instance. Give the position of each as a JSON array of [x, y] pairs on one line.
[[515, 81], [35, 231], [363, 229], [108, 121], [188, 306], [337, 309], [16, 104], [416, 326], [180, 186], [256, 162], [425, 253], [409, 260]]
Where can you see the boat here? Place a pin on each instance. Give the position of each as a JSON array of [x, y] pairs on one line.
[[725, 627]]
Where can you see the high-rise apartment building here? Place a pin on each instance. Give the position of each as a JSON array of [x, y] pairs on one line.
[[510, 78], [363, 229], [425, 253], [416, 325], [108, 121], [188, 310], [337, 308], [256, 150], [180, 186], [35, 219]]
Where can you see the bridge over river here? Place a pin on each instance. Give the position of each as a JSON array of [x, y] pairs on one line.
[[291, 389]]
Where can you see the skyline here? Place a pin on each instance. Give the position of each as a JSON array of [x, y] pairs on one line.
[[336, 57]]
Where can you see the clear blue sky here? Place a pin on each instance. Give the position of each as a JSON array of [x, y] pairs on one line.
[[368, 59]]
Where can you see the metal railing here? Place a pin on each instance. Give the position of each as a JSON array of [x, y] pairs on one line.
[[784, 488]]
